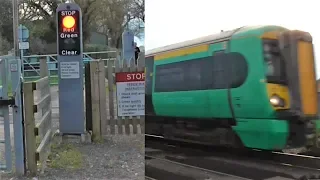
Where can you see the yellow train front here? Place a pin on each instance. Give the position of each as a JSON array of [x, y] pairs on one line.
[[263, 95], [302, 111]]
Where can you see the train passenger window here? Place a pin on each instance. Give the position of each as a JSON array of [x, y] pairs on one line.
[[194, 75], [220, 71], [206, 73], [239, 69], [200, 73], [230, 70], [170, 77]]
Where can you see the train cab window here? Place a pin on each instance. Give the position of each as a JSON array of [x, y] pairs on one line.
[[269, 68], [274, 62]]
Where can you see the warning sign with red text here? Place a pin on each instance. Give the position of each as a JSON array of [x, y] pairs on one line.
[[130, 93]]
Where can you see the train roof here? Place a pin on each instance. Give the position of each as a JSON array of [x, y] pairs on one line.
[[225, 35], [205, 39]]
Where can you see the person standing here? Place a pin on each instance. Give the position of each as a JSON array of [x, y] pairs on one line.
[[136, 52]]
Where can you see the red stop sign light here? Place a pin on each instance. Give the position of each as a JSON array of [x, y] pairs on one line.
[[69, 32], [68, 22]]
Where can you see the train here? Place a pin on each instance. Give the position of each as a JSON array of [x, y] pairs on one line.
[[252, 87]]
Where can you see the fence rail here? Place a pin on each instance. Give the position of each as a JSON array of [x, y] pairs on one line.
[[38, 120], [101, 115], [31, 69]]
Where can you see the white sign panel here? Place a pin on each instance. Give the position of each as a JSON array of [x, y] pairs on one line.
[[23, 45], [130, 94], [69, 70], [14, 67]]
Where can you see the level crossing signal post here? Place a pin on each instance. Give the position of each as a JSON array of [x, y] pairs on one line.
[[69, 46]]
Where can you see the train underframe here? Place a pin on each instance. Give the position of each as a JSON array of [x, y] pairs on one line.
[[300, 137]]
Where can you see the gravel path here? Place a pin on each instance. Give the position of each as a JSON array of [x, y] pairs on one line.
[[117, 158]]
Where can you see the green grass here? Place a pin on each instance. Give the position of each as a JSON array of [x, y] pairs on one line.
[[65, 156], [9, 88], [54, 80], [107, 89], [38, 141]]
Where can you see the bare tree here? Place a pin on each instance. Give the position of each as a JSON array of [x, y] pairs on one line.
[[138, 9], [116, 15], [6, 27], [5, 46], [44, 11], [109, 17]]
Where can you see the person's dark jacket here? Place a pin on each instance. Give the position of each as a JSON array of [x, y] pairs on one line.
[[136, 53]]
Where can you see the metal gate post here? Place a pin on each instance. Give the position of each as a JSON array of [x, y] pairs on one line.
[[5, 110], [15, 69]]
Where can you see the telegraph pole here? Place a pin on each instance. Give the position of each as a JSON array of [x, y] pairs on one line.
[[17, 109], [15, 9]]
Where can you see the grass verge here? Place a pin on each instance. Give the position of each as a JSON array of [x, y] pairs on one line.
[[114, 89], [54, 80], [65, 156]]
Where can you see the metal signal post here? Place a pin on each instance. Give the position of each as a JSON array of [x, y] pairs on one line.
[[69, 42]]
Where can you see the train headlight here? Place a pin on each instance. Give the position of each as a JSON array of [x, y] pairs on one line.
[[276, 101]]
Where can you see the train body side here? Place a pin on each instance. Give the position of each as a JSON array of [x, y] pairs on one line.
[[234, 95]]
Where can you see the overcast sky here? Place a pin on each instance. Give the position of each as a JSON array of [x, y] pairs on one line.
[[172, 21]]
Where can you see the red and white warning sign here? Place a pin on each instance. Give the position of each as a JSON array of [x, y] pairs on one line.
[[130, 93]]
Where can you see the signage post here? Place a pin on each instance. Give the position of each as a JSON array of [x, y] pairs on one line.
[[69, 46], [128, 46]]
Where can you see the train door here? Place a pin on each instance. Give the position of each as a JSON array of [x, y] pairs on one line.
[[245, 88], [149, 82], [220, 107]]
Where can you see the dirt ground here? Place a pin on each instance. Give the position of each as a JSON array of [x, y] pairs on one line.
[[115, 158]]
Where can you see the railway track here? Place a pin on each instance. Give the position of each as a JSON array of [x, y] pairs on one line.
[[149, 178], [199, 156], [204, 173]]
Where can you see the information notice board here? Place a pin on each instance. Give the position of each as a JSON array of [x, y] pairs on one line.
[[130, 93], [70, 70]]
